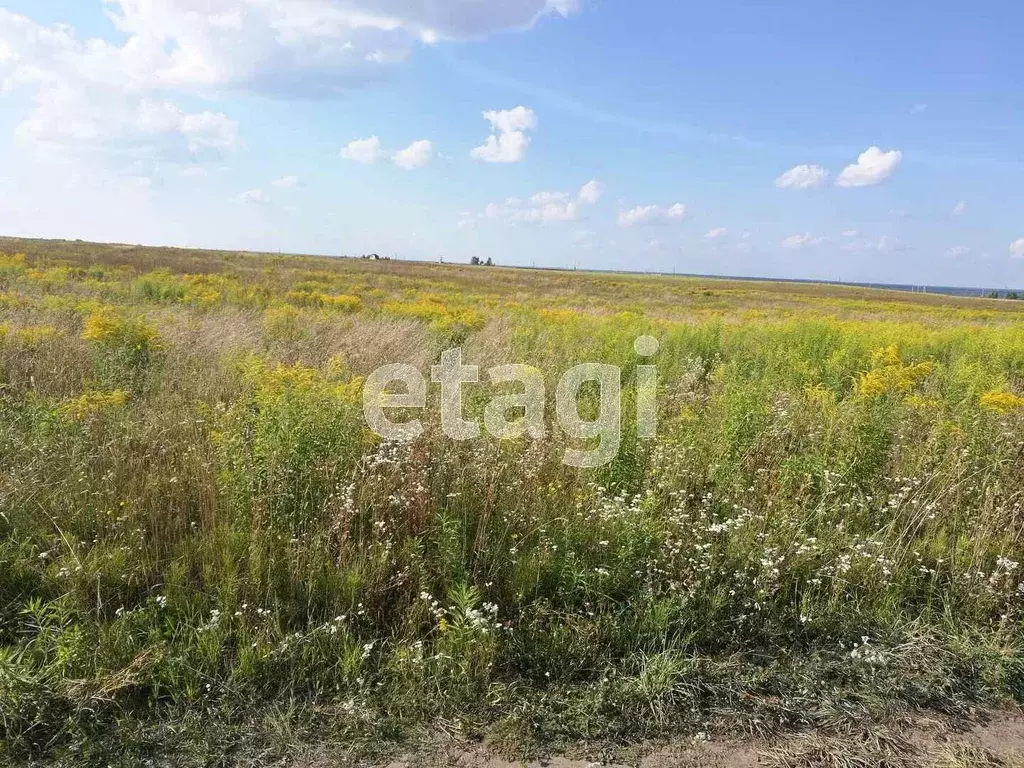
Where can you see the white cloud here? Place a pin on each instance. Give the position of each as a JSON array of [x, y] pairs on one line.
[[851, 233], [803, 177], [86, 102], [510, 120], [369, 151], [960, 208], [872, 167], [504, 148], [508, 142], [365, 151], [958, 251], [545, 207], [416, 155], [311, 45], [91, 97], [805, 240], [208, 130], [651, 214], [515, 210], [591, 192], [1017, 249], [717, 233], [547, 198], [287, 182]]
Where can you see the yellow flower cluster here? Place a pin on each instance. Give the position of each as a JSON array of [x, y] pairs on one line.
[[91, 404], [342, 302], [282, 323], [108, 327], [30, 336], [1001, 402], [12, 265], [890, 375], [271, 381], [440, 316]]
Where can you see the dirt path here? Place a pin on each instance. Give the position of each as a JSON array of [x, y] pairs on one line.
[[932, 744]]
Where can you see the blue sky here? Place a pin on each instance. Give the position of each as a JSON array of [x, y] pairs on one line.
[[870, 141]]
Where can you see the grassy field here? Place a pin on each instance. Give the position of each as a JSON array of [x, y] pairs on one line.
[[204, 551]]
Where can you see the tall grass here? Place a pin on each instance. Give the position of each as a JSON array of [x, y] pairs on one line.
[[194, 517]]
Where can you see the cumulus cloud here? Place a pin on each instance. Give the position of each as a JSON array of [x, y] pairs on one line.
[[1017, 249], [958, 251], [717, 233], [544, 207], [365, 151], [508, 141], [591, 192], [806, 240], [85, 101], [369, 151], [416, 155], [803, 177], [502, 148], [872, 167], [960, 208], [511, 120], [651, 214], [93, 96], [279, 45]]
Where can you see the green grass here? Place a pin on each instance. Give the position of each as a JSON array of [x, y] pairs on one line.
[[203, 549]]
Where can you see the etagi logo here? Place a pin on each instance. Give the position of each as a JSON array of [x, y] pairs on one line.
[[452, 375]]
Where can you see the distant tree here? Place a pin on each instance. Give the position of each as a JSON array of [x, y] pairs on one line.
[[475, 261], [992, 295], [1013, 295], [489, 262]]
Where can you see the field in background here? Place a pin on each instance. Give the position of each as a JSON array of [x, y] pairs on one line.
[[202, 548]]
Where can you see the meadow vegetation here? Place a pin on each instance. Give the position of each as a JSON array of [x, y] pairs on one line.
[[202, 546]]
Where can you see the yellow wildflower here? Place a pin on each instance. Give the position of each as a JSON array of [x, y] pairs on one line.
[[91, 404], [1001, 402]]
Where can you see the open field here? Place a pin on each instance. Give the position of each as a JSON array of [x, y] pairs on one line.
[[205, 555]]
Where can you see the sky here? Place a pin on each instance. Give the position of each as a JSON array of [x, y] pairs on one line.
[[863, 141]]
